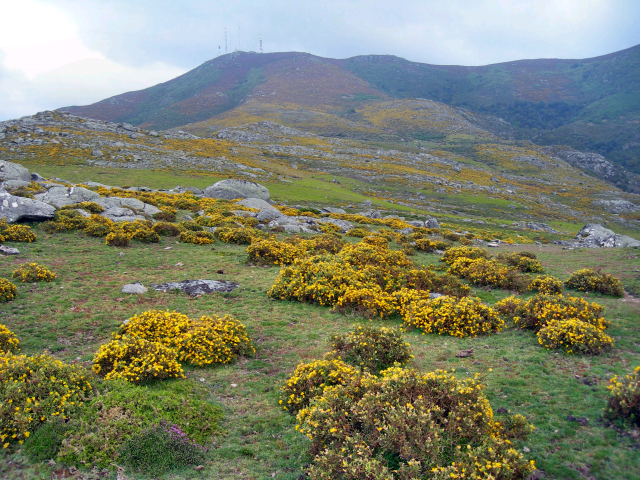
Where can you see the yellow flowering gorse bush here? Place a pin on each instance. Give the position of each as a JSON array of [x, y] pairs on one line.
[[8, 341], [8, 290], [32, 272], [587, 280], [546, 285], [574, 336], [624, 400], [36, 389]]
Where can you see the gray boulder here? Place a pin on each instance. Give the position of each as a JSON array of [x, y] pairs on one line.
[[13, 171], [121, 215], [130, 203], [405, 231], [332, 210], [36, 177], [416, 223], [370, 214], [4, 250], [10, 184], [196, 287], [538, 227], [13, 208], [61, 196], [431, 223], [231, 189], [134, 288], [595, 235], [266, 211]]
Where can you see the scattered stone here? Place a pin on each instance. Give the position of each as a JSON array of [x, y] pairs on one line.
[[188, 218], [465, 353], [179, 264], [197, 287], [431, 223], [502, 410], [538, 227], [344, 225], [581, 420], [61, 196], [594, 235], [134, 288], [416, 223], [266, 211], [526, 449], [370, 214], [233, 385], [232, 188], [332, 210], [121, 215], [97, 153], [9, 250]]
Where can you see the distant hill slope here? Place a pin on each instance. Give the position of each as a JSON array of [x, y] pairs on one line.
[[591, 104]]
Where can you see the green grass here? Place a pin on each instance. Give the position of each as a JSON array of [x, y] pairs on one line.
[[76, 313]]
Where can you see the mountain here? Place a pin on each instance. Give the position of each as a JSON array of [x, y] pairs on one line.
[[591, 104]]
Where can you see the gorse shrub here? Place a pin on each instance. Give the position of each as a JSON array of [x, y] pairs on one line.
[[36, 389], [489, 273], [238, 236], [372, 349], [523, 261], [188, 226], [516, 426], [166, 229], [136, 360], [123, 410], [407, 425], [8, 341], [454, 253], [98, 226], [546, 285], [376, 241], [539, 310], [508, 306], [32, 272], [273, 252], [160, 326], [574, 336], [310, 379], [624, 400], [70, 219], [587, 280], [90, 207], [8, 290], [197, 238], [358, 232], [117, 239], [465, 317], [16, 233], [160, 449], [214, 339], [426, 245]]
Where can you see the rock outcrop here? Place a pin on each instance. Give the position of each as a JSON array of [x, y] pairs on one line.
[[13, 171], [594, 235], [14, 209], [232, 189]]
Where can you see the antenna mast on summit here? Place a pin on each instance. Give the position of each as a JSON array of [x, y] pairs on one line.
[[226, 47], [261, 44]]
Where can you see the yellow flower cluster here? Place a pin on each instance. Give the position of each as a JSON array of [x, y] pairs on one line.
[[238, 236], [539, 310], [465, 317], [197, 238], [117, 239], [90, 207], [523, 261], [587, 280], [357, 430], [98, 226], [482, 271], [574, 336], [546, 285], [426, 245], [455, 253], [624, 402], [358, 232], [35, 389], [32, 272], [167, 338], [394, 223], [16, 233], [273, 252], [8, 290], [8, 341], [310, 379], [136, 360], [379, 241]]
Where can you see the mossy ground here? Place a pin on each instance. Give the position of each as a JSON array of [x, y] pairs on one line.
[[77, 312]]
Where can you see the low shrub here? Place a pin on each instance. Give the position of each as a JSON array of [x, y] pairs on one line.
[[539, 310], [36, 389], [273, 252], [214, 339], [428, 280], [164, 216], [238, 236], [465, 317], [329, 228], [166, 229], [123, 410], [8, 290], [376, 241], [310, 379], [508, 306], [45, 442], [624, 399], [426, 245], [190, 226], [96, 229], [32, 272], [327, 243], [17, 233], [70, 219], [369, 300], [160, 449], [197, 238], [406, 425], [90, 207], [136, 360], [372, 349], [574, 336], [117, 239], [8, 341], [587, 280], [546, 285], [454, 237], [454, 253], [481, 271], [164, 327], [145, 235], [358, 232], [53, 227], [523, 261], [516, 427]]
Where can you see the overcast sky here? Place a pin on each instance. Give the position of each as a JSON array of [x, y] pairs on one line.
[[56, 53]]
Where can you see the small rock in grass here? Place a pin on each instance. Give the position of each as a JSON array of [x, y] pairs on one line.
[[179, 264], [502, 410], [199, 467], [134, 288], [233, 385], [201, 379], [465, 353], [168, 248], [526, 449], [9, 250], [121, 254]]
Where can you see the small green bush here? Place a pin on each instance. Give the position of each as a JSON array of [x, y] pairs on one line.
[[624, 402], [164, 216], [160, 449], [587, 280], [166, 229], [46, 441], [372, 349]]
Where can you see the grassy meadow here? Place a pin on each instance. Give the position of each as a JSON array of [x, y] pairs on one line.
[[73, 315]]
